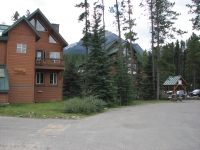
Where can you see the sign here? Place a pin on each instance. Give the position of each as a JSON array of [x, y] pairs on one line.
[[20, 71]]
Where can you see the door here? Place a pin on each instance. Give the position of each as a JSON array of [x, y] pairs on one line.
[[39, 57]]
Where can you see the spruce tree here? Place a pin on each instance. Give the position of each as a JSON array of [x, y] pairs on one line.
[[193, 63], [98, 76], [71, 78], [15, 16], [148, 89]]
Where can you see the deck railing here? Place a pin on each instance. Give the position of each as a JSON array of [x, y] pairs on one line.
[[49, 62]]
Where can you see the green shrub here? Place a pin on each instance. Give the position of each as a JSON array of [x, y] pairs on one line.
[[85, 105]]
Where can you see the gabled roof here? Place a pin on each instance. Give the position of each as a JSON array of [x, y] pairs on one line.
[[4, 86], [5, 32], [64, 43], [173, 80], [110, 44]]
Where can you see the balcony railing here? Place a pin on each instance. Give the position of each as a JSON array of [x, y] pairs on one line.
[[49, 62]]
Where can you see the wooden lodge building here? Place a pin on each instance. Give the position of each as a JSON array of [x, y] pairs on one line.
[[31, 64]]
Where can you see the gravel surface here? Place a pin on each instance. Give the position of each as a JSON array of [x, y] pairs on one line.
[[160, 126]]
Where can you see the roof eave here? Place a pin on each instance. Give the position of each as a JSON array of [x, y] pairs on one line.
[[4, 38]]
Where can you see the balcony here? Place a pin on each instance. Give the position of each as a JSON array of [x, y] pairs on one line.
[[49, 63]]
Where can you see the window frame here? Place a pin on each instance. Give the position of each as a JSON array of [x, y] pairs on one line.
[[39, 77], [21, 48], [55, 78]]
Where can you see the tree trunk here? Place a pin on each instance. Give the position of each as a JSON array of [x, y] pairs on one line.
[[152, 45], [104, 25]]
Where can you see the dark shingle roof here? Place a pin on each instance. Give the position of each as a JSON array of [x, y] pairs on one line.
[[5, 32]]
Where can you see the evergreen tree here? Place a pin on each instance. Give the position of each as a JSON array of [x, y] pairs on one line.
[[85, 17], [192, 64], [167, 65], [122, 79], [195, 9], [71, 78], [123, 82], [128, 28], [148, 89], [15, 16], [163, 27], [98, 75], [86, 31], [177, 58], [138, 77]]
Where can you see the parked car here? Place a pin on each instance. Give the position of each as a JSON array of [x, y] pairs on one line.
[[195, 93], [180, 92]]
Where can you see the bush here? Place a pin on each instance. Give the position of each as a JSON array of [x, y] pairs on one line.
[[86, 105]]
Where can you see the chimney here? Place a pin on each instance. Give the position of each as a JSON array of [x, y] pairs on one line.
[[56, 26]]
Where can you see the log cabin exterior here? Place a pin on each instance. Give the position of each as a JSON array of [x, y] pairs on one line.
[[31, 60]]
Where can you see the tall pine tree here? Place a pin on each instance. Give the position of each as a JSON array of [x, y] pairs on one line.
[[98, 76]]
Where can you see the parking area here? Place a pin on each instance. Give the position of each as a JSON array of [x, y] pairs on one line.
[[159, 126]]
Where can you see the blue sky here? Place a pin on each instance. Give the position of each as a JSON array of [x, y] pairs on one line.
[[64, 13]]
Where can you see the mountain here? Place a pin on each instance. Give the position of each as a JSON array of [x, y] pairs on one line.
[[77, 48]]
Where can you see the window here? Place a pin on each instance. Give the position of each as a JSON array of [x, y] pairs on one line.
[[21, 48], [39, 78], [1, 31], [53, 78], [55, 56], [39, 26], [52, 40]]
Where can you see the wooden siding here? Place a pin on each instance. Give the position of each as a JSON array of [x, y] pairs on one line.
[[44, 94], [3, 98], [21, 34], [21, 65], [2, 52], [20, 94]]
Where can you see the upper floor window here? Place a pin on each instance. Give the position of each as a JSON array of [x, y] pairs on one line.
[[38, 25], [52, 40], [55, 55], [21, 48]]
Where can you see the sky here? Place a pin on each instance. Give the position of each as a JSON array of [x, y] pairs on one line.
[[64, 13]]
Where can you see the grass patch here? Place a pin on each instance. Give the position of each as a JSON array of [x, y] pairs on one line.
[[38, 110], [54, 109]]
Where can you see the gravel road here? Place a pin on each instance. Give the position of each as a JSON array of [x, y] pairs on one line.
[[160, 126]]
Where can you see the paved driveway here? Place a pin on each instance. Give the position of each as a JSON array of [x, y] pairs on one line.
[[161, 126]]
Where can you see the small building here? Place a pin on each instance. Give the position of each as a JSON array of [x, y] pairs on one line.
[[175, 83], [31, 60]]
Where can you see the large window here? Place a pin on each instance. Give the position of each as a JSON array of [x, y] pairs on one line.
[[39, 78], [53, 78], [21, 48], [39, 26]]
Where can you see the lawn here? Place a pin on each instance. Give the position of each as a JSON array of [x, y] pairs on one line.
[[37, 110], [50, 110]]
